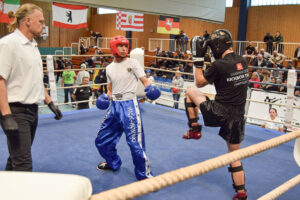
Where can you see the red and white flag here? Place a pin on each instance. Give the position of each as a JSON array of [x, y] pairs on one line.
[[69, 16], [129, 21]]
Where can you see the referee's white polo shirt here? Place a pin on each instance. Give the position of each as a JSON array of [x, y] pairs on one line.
[[22, 68]]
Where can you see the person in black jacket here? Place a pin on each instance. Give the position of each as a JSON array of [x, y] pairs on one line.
[[268, 39]]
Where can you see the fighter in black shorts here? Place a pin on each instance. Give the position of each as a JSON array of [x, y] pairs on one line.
[[229, 74]]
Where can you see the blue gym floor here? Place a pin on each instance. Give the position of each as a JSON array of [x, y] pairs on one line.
[[67, 146]]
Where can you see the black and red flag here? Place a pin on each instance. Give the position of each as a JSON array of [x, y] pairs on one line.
[[168, 25]]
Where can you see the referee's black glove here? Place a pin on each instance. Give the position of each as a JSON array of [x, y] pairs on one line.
[[8, 124], [55, 110]]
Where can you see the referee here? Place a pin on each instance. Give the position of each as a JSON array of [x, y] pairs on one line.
[[21, 85]]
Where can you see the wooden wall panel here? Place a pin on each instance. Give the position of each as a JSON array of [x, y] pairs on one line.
[[106, 25], [262, 19]]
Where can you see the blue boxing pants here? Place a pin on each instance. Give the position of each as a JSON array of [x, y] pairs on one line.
[[124, 116]]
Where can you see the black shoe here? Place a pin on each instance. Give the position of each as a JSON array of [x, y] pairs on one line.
[[103, 166]]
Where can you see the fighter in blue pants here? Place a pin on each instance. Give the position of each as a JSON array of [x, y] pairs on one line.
[[123, 114]]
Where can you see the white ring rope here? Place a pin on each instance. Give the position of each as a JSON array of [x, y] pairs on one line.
[[281, 189], [146, 186]]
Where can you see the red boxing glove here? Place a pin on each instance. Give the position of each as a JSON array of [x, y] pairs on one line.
[[75, 77], [175, 90]]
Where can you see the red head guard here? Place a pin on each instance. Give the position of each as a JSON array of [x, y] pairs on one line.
[[115, 41]]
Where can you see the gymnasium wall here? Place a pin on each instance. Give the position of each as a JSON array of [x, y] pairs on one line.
[[260, 20]]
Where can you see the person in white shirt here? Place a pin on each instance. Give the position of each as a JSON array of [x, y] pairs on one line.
[[21, 85], [82, 74], [275, 124], [148, 75], [123, 113]]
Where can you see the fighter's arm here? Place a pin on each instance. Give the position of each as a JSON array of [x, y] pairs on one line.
[[199, 77], [109, 90], [145, 81]]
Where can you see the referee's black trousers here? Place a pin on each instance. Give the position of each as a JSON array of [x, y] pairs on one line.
[[19, 143]]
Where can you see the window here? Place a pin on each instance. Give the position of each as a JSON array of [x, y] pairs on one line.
[[229, 3], [273, 2], [102, 11]]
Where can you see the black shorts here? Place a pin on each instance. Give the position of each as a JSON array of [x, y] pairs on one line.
[[229, 118]]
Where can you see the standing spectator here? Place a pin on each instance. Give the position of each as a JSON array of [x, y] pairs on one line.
[[183, 41], [60, 65], [177, 83], [279, 39], [68, 77], [101, 79], [21, 85], [177, 42], [81, 74], [297, 55], [93, 36], [275, 122], [99, 38], [206, 35], [268, 39], [83, 94]]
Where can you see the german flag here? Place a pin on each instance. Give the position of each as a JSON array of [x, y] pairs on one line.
[[168, 25]]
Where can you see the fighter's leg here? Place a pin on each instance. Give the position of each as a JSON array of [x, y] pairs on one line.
[[238, 175], [107, 139], [133, 128], [192, 102]]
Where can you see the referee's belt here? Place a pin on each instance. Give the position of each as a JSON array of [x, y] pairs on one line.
[[123, 97], [18, 104]]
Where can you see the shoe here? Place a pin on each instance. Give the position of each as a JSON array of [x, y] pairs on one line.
[[240, 196], [103, 166], [73, 106], [191, 134]]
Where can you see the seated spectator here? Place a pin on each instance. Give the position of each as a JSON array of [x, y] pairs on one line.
[[283, 88], [259, 61], [260, 74], [271, 87], [266, 76], [276, 73], [265, 54], [275, 124], [82, 48], [82, 94], [254, 78], [277, 58], [249, 52], [289, 65], [188, 69]]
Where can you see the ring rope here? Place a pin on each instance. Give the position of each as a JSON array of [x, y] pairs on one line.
[[281, 189], [146, 186]]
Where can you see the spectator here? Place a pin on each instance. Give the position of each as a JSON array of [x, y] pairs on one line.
[[285, 73], [183, 41], [83, 94], [99, 38], [283, 88], [265, 54], [254, 78], [259, 61], [276, 58], [93, 36], [249, 53], [81, 74], [268, 39], [157, 51], [206, 35], [271, 87], [83, 49], [148, 76], [279, 39], [177, 83], [297, 90], [68, 77], [60, 65], [101, 79], [276, 73], [177, 42], [297, 55], [275, 124]]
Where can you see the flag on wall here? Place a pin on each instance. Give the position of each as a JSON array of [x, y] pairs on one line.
[[129, 21], [168, 25], [69, 16], [5, 7]]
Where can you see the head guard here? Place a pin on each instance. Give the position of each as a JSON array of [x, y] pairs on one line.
[[220, 40], [115, 41], [148, 70]]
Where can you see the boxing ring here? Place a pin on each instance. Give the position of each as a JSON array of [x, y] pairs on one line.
[[67, 146]]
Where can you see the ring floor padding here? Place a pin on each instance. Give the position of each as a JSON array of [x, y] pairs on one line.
[[67, 146]]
